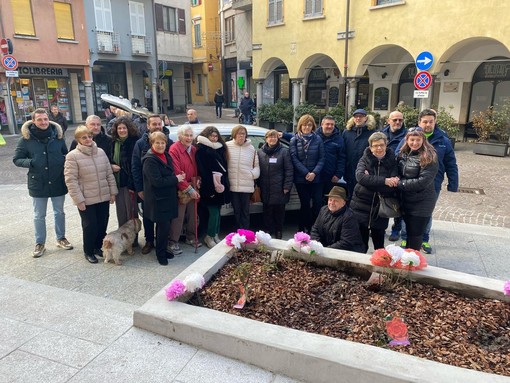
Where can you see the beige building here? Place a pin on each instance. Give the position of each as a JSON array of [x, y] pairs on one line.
[[205, 72], [300, 53]]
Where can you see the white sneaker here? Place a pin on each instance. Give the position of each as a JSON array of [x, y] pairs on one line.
[[217, 239], [209, 241]]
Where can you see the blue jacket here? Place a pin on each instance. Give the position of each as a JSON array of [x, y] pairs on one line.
[[334, 149], [446, 160], [307, 160], [394, 138]]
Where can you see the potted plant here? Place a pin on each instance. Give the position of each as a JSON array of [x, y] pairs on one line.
[[492, 126], [448, 123], [338, 113], [266, 116], [410, 114], [306, 108], [284, 115]]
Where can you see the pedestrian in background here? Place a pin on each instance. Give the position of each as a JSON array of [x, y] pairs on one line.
[[57, 116], [308, 156], [89, 178], [246, 105], [219, 99], [275, 182], [42, 150]]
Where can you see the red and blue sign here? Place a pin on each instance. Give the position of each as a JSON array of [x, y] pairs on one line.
[[9, 62], [422, 80]]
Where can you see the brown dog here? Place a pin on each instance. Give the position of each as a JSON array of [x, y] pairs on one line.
[[116, 242]]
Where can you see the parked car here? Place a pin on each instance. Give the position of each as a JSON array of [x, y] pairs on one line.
[[257, 136]]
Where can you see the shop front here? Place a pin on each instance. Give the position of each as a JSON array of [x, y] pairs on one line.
[[40, 87]]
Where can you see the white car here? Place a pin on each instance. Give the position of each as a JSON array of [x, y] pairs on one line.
[[256, 135]]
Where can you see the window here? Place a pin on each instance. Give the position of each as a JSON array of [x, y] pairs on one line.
[[199, 84], [170, 19], [384, 2], [22, 17], [137, 18], [230, 35], [313, 8], [194, 3], [64, 20], [103, 12], [275, 14], [198, 34]]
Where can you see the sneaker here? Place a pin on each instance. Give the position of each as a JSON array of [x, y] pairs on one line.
[[38, 251], [64, 244], [427, 249], [217, 239], [209, 241], [394, 236], [174, 249], [146, 249], [403, 244], [191, 242]]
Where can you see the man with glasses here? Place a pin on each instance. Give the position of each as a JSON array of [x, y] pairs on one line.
[[395, 131], [93, 123], [447, 164], [42, 150]]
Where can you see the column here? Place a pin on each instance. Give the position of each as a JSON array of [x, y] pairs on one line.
[[351, 95], [155, 95], [296, 94], [89, 98], [260, 92]]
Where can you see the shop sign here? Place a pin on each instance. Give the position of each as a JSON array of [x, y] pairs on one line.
[[42, 71]]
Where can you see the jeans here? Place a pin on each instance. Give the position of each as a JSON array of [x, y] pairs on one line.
[[247, 118], [40, 207], [218, 109]]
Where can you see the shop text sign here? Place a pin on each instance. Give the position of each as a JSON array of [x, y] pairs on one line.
[[42, 71]]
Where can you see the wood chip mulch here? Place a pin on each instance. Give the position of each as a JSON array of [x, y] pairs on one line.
[[442, 326]]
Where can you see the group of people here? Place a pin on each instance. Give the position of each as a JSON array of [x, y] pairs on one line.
[[353, 169]]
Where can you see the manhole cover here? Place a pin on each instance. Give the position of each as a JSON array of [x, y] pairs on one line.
[[471, 190]]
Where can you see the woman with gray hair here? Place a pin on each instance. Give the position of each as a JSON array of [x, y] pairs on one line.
[[376, 174], [183, 158]]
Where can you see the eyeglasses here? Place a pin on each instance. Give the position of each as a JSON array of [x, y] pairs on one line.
[[378, 146], [397, 119], [86, 137], [415, 129]]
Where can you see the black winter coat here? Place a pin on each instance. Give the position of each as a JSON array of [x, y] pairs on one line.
[[416, 185], [209, 156], [160, 188], [44, 160], [365, 200], [356, 140], [276, 174], [307, 159], [338, 230], [126, 155], [59, 119]]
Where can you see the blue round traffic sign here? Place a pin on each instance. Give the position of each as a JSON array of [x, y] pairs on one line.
[[9, 62], [422, 80], [424, 60]]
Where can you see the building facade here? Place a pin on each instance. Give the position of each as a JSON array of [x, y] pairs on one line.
[[51, 47], [362, 54]]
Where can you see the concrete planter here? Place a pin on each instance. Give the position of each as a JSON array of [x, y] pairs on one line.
[[300, 355], [491, 148]]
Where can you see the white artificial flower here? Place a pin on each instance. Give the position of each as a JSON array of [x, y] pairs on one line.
[[396, 253], [316, 247], [292, 245], [410, 259], [306, 249], [194, 282], [263, 238], [238, 240]]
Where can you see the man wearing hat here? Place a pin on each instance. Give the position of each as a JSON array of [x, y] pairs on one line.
[[359, 127], [336, 226]]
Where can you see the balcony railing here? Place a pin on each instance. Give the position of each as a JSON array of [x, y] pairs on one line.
[[141, 45], [108, 42], [242, 5]]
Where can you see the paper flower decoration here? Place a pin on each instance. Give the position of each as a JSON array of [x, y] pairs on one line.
[[194, 282], [506, 288], [175, 290], [263, 238]]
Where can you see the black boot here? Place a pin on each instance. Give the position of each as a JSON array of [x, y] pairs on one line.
[[278, 235]]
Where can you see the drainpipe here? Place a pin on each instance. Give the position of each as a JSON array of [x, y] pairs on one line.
[[155, 96], [6, 94], [346, 56]]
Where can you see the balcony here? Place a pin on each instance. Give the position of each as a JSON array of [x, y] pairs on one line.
[[141, 45], [242, 5], [108, 42]]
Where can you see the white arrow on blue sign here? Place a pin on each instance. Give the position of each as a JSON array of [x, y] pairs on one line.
[[424, 60]]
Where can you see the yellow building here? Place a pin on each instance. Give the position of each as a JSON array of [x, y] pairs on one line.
[[205, 71], [300, 53]]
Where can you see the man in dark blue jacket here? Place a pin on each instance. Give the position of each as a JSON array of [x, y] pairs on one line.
[[395, 131], [446, 160], [334, 149], [154, 123]]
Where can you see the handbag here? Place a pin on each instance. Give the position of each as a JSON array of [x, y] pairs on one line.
[[255, 196], [184, 198], [389, 207]]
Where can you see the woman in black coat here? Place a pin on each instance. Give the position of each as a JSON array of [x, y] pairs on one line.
[[160, 192], [275, 182], [212, 158], [376, 173], [417, 168]]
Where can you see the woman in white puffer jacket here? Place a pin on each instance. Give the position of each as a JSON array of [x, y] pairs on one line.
[[243, 170]]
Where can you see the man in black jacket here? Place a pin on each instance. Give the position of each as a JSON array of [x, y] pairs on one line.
[[93, 123], [336, 226]]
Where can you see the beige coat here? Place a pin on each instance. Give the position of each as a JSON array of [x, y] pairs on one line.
[[243, 167], [88, 175]]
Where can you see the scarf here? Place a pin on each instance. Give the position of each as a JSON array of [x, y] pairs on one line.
[[116, 156], [161, 156], [271, 150], [41, 134]]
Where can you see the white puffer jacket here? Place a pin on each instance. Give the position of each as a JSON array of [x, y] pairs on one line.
[[243, 167], [88, 175]]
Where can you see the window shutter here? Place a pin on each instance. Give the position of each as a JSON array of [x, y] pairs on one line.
[[159, 16], [22, 17], [308, 7], [182, 21], [271, 15], [279, 10], [137, 18], [64, 20]]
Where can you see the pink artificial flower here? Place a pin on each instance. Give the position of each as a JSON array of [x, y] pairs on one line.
[[301, 237], [175, 290], [228, 239], [506, 288], [248, 234]]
